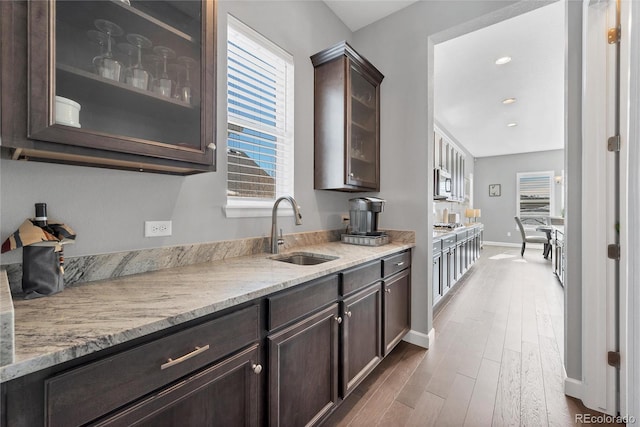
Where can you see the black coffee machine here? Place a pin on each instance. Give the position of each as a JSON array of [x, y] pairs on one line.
[[363, 215]]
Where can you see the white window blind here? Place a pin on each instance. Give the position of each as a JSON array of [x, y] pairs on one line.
[[260, 118], [535, 200]]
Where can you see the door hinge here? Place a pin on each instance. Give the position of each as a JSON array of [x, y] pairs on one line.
[[613, 251], [613, 143], [613, 359], [613, 35]]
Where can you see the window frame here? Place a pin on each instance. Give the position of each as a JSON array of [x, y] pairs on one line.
[[242, 207], [526, 220]]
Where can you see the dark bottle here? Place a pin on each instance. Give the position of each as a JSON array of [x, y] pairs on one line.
[[41, 215]]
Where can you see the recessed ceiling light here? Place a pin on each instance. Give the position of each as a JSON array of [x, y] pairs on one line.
[[508, 101], [512, 125], [503, 60]]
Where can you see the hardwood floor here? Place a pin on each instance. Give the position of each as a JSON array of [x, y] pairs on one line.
[[496, 359]]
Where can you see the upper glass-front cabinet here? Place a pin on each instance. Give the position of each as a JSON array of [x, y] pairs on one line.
[[346, 131], [128, 76], [363, 151]]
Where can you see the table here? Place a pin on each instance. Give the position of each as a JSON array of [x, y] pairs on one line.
[[547, 229]]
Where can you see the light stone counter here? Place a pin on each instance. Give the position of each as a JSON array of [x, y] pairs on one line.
[[6, 321], [85, 319]]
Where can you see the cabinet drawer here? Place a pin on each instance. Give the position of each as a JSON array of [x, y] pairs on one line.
[[437, 246], [448, 241], [301, 300], [359, 277], [83, 394], [396, 263]]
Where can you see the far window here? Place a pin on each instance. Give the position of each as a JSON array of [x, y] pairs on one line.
[[260, 118], [535, 198]]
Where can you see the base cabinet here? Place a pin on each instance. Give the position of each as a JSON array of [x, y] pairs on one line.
[[303, 370], [397, 309], [361, 336]]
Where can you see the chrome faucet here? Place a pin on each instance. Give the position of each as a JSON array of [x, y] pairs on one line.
[[275, 241]]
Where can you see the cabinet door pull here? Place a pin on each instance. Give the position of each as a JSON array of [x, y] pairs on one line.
[[348, 313], [338, 319], [398, 264], [387, 290], [257, 368], [172, 362]]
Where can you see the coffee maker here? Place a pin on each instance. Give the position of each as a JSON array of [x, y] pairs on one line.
[[363, 215]]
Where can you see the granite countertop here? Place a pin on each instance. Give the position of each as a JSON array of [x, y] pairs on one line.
[[85, 319]]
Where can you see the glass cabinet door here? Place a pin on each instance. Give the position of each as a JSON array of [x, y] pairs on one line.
[[132, 76], [362, 158]]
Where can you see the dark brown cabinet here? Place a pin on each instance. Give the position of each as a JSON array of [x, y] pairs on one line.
[[347, 120], [110, 84], [303, 370], [397, 309], [361, 336]]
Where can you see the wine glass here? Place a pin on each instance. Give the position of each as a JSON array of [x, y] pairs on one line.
[[175, 72], [185, 90], [140, 75], [163, 86], [153, 61], [129, 50], [107, 66], [101, 39]]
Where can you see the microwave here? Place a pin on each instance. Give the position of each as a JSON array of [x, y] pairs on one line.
[[441, 184]]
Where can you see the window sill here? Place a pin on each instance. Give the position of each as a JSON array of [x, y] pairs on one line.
[[254, 210]]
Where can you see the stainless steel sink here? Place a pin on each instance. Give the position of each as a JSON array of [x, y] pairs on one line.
[[303, 258]]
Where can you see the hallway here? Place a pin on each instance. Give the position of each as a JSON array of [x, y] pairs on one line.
[[496, 359]]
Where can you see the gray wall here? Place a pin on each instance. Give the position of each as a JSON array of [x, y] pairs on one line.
[[108, 208], [407, 124], [498, 212], [399, 46]]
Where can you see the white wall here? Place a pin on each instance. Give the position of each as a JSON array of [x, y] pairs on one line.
[[107, 208], [498, 212]]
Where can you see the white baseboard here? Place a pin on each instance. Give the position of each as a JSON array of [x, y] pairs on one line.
[[514, 245], [573, 388], [419, 338]]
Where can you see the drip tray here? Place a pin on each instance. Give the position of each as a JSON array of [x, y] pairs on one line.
[[358, 239]]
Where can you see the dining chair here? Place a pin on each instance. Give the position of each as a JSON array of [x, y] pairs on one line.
[[529, 238]]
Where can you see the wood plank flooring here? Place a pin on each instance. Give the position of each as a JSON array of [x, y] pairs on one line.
[[496, 359]]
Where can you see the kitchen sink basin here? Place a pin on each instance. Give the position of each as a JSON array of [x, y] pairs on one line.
[[303, 258]]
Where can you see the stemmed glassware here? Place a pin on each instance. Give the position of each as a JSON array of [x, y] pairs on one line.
[[154, 61], [129, 50], [163, 86], [185, 90], [140, 78], [106, 65]]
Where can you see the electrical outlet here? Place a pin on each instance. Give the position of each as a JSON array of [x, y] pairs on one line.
[[344, 218], [157, 228]]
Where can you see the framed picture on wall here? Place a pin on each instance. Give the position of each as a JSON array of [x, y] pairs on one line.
[[494, 190]]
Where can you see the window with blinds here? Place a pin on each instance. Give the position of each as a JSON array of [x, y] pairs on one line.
[[535, 197], [259, 117]]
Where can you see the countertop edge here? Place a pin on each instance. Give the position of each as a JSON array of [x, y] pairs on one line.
[[30, 365]]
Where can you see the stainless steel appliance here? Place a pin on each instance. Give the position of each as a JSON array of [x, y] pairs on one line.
[[363, 215], [442, 184]]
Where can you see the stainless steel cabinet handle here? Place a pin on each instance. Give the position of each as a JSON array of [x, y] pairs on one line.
[[398, 264], [388, 290], [348, 313], [338, 319], [172, 362], [257, 368], [351, 175]]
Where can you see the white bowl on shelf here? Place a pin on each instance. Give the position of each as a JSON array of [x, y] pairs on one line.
[[67, 112]]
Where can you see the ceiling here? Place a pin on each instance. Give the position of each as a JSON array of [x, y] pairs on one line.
[[470, 87], [359, 13]]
